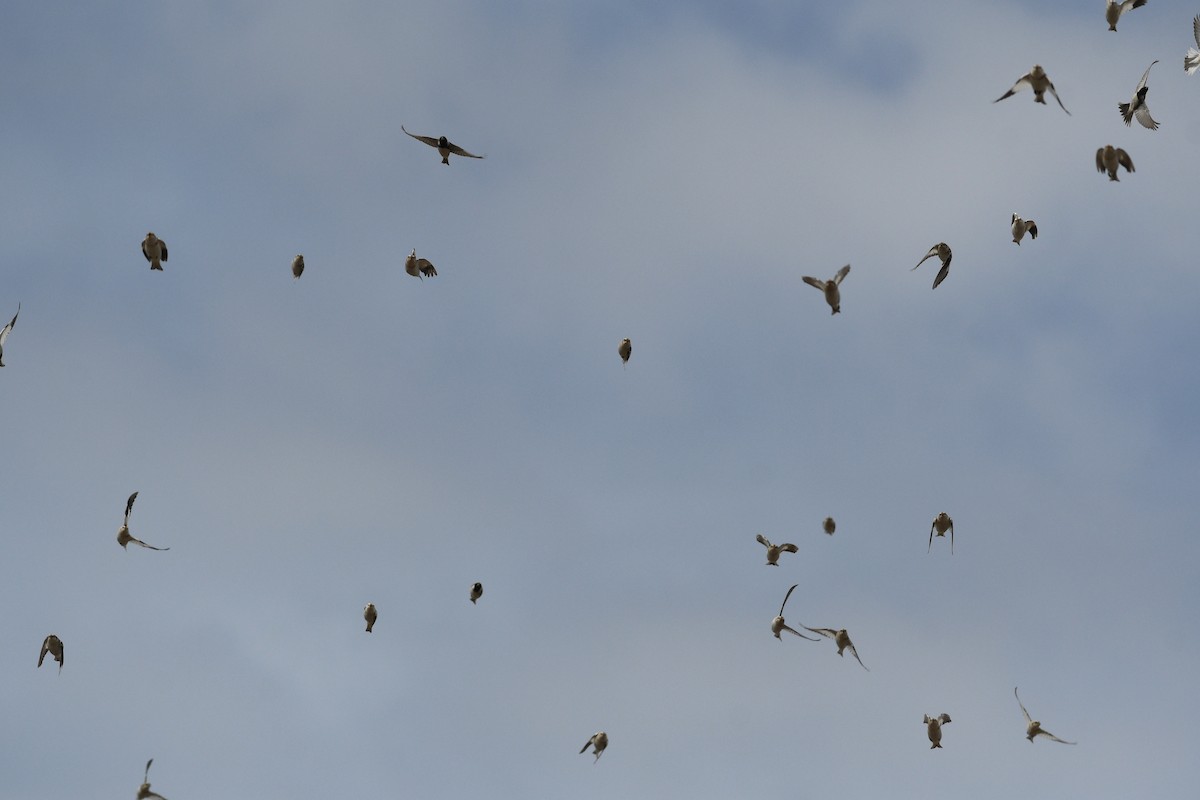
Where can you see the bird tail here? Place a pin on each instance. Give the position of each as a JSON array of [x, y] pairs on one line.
[[935, 744]]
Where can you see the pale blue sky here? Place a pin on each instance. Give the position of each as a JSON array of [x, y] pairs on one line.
[[662, 173]]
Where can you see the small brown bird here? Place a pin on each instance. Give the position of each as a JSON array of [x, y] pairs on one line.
[[841, 639], [624, 349], [1115, 8], [144, 790], [933, 726], [829, 526], [476, 591], [833, 294], [4, 333], [370, 615], [444, 146], [1033, 727], [598, 742], [155, 251], [123, 535], [942, 251], [418, 267], [1037, 80], [1108, 158], [54, 646], [941, 523], [1137, 107], [297, 266], [1022, 226], [778, 625], [774, 550]]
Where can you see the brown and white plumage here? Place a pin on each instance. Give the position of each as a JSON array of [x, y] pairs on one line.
[[1115, 8], [933, 727], [1033, 727], [1191, 61], [841, 638], [1037, 80], [942, 251], [1022, 226], [833, 295], [476, 591], [418, 267], [941, 524], [444, 146], [829, 526], [370, 615], [1137, 107], [155, 251], [124, 537], [624, 350], [8, 329], [144, 790], [778, 625], [598, 742], [1108, 158], [774, 550], [297, 266], [54, 646]]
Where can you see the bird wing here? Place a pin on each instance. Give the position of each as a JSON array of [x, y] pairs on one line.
[[930, 548], [45, 649], [785, 598], [788, 548], [1050, 86], [1126, 114], [941, 276], [1145, 76], [1124, 160], [854, 652], [932, 252], [1100, 160], [1143, 116], [1050, 735], [1021, 83], [820, 284], [458, 151], [129, 506], [1196, 28], [146, 252], [9, 326], [588, 744], [147, 546], [146, 776], [429, 140], [1022, 705], [162, 248], [841, 275], [425, 267], [1128, 4], [829, 633], [787, 627], [762, 540], [1032, 233]]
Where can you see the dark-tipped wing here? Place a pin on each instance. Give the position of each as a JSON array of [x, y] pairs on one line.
[[764, 541], [829, 633], [811, 281], [789, 548], [1145, 76], [45, 649], [429, 140], [147, 546], [1050, 86], [941, 276], [1022, 705], [854, 652], [458, 151], [425, 267], [1143, 116], [9, 326], [1021, 83], [932, 252], [587, 745], [129, 506], [785, 598], [841, 275], [790, 629], [1124, 160], [1049, 735]]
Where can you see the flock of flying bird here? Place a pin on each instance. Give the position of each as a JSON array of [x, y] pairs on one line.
[[1108, 159]]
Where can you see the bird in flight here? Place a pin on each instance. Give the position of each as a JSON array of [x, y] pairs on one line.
[[778, 625], [123, 535], [1115, 8], [942, 251], [1022, 226], [444, 146], [842, 639], [624, 350], [833, 294], [297, 266], [144, 790], [4, 333], [1137, 107], [1037, 80], [54, 646], [829, 526], [1191, 62], [370, 615], [941, 524], [933, 727], [155, 251], [598, 742], [476, 591], [774, 550], [418, 267], [1108, 158], [1033, 727]]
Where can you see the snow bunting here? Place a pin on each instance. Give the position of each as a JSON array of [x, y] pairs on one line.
[[1137, 107], [942, 251], [773, 550], [1037, 80], [933, 727], [1034, 728], [123, 535], [155, 251], [476, 591], [841, 638], [598, 742], [829, 526], [444, 146], [624, 350], [1022, 226], [1191, 62], [1115, 8], [144, 790], [777, 624], [54, 646], [418, 267], [1108, 158], [941, 523], [297, 266], [4, 333], [370, 615]]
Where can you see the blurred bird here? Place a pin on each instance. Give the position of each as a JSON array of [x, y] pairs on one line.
[[1037, 80], [1034, 728], [933, 726], [841, 638], [598, 742], [144, 790], [773, 550], [777, 624], [297, 266], [833, 295], [942, 251], [1115, 8], [1191, 62], [418, 267], [624, 349], [1137, 107], [123, 535], [1021, 226], [370, 615], [4, 333], [155, 251], [941, 523], [54, 646], [444, 146], [476, 592], [829, 525], [1108, 158]]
